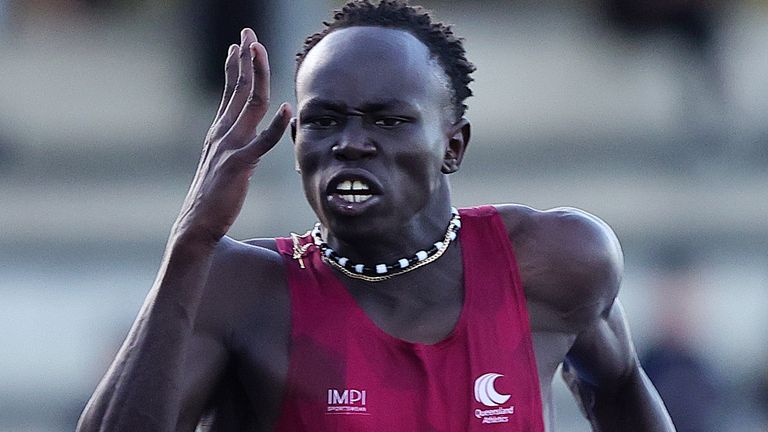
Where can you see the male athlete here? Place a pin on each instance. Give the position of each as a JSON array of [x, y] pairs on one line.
[[397, 312]]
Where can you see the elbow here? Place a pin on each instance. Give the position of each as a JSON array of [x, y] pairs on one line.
[[137, 420], [88, 422], [92, 417], [627, 382]]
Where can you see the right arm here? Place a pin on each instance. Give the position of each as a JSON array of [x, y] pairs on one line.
[[146, 387]]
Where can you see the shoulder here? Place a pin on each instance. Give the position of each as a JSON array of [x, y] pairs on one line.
[[262, 252], [568, 259], [235, 260], [245, 281]]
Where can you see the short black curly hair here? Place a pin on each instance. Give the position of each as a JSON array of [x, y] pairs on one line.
[[438, 37]]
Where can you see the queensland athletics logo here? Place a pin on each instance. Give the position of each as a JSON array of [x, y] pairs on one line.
[[486, 394]]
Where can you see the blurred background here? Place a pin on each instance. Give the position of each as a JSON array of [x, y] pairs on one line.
[[652, 114]]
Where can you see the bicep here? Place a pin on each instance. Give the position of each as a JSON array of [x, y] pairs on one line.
[[603, 354], [204, 367], [209, 355]]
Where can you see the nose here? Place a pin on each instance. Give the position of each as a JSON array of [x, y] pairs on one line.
[[353, 143]]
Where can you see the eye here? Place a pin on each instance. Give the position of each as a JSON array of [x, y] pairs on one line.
[[321, 122], [389, 122]]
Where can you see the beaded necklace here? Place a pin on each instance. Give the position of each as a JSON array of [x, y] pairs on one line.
[[382, 272]]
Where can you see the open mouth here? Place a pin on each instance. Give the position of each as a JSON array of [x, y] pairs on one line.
[[353, 191]]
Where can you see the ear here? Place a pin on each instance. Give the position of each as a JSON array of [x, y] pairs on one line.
[[457, 145], [293, 138]]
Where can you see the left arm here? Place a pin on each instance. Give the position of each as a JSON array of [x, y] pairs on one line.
[[572, 266], [601, 367], [605, 376]]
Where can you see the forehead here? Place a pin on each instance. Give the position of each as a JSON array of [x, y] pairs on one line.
[[359, 64]]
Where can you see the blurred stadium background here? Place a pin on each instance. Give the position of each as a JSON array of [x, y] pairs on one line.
[[652, 114]]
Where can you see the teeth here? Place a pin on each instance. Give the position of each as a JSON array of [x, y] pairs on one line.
[[355, 198], [352, 185], [350, 191]]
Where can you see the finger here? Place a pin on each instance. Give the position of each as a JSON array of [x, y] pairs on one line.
[[230, 79], [244, 128], [260, 89], [244, 80], [269, 137]]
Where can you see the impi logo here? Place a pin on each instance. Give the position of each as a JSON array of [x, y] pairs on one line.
[[347, 401], [486, 394]]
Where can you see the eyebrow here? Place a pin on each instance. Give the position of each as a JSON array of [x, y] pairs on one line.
[[367, 107]]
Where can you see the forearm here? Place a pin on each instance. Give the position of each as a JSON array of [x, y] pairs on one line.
[[141, 389], [634, 406]]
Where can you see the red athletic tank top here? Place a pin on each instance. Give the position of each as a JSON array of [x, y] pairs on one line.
[[346, 374]]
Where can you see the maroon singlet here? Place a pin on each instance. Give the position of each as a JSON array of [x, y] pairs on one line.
[[346, 374]]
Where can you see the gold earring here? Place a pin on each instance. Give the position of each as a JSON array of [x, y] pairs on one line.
[[449, 166]]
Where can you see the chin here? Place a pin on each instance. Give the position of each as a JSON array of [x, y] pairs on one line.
[[351, 228]]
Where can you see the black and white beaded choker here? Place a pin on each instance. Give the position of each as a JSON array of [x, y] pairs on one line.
[[381, 272]]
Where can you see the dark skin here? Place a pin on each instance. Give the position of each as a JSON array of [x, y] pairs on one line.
[[212, 338]]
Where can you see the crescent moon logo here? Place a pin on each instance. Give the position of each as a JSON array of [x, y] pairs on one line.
[[486, 393]]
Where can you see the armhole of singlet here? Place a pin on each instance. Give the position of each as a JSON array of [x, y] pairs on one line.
[[521, 302]]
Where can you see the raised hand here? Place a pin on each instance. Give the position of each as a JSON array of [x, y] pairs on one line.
[[146, 387], [232, 146]]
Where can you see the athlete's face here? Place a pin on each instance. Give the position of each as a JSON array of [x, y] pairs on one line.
[[375, 132]]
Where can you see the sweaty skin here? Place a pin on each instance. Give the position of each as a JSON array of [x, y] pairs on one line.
[[212, 339]]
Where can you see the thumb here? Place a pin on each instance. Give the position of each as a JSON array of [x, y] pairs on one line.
[[268, 137]]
